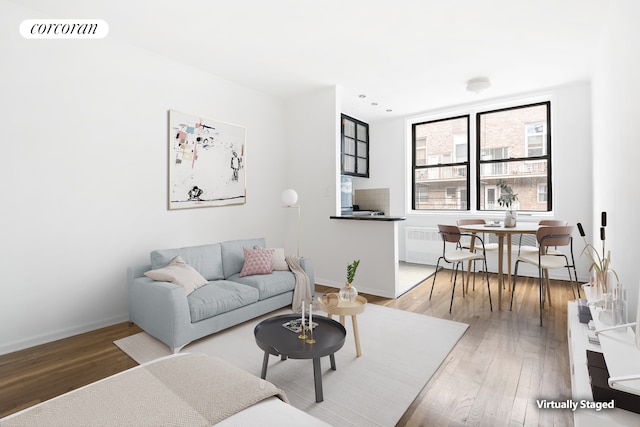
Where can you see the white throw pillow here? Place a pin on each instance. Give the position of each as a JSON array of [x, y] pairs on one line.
[[278, 261], [179, 273]]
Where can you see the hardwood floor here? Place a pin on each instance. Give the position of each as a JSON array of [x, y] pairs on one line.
[[36, 374], [501, 365]]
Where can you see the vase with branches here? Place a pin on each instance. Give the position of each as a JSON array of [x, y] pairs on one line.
[[349, 292], [601, 272], [507, 199]]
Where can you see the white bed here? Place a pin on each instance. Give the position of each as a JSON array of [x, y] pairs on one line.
[[189, 389]]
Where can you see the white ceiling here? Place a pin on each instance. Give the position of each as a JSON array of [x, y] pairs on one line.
[[406, 55]]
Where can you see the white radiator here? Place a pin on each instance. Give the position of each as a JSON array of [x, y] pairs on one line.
[[423, 245]]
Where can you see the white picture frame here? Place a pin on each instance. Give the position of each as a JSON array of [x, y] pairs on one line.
[[207, 163]]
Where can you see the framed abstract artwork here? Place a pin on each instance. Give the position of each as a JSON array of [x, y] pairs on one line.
[[206, 162]]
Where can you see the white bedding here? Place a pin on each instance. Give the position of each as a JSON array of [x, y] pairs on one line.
[[182, 390], [272, 412]]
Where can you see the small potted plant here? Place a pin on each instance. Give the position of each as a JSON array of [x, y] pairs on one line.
[[349, 292], [507, 198]]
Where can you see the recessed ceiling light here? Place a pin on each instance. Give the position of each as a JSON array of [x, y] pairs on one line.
[[362, 96], [374, 103], [478, 85], [389, 110]]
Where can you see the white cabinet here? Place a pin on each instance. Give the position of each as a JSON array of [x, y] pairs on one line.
[[580, 387]]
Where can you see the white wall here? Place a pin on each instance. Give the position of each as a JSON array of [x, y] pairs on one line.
[[616, 109], [314, 133], [84, 177]]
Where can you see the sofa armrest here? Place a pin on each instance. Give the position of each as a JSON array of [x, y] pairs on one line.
[[161, 309]]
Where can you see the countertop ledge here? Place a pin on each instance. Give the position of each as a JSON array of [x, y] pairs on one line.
[[369, 217]]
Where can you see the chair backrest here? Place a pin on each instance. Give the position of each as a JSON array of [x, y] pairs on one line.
[[471, 221], [555, 235], [449, 233], [552, 222]]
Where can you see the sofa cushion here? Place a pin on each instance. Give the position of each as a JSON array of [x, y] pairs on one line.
[[233, 254], [218, 297], [268, 285], [180, 273], [206, 259]]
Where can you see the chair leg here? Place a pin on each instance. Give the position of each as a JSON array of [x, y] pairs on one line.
[[513, 285], [547, 285], [541, 293], [571, 282], [434, 278], [453, 289], [486, 272]]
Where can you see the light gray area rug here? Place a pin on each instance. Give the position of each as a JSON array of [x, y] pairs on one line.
[[400, 353]]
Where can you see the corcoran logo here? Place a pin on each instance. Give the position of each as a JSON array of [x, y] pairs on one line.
[[64, 29]]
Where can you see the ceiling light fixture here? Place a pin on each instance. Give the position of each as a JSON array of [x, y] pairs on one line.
[[478, 85], [362, 96]]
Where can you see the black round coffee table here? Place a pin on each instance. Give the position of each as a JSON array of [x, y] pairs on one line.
[[275, 339]]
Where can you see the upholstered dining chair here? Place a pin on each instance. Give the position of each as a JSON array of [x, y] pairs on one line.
[[526, 249], [453, 253], [465, 243], [489, 247], [531, 249], [547, 236]]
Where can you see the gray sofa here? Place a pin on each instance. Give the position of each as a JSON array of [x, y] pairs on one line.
[[166, 312]]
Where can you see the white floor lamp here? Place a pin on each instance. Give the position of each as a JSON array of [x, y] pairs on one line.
[[289, 198]]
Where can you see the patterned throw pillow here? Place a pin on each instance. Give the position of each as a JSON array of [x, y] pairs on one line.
[[256, 261]]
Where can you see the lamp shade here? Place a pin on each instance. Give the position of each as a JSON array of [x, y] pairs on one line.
[[289, 197]]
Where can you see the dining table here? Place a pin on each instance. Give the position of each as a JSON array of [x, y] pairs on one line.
[[501, 232]]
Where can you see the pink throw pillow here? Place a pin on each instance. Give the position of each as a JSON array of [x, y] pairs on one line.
[[257, 261]]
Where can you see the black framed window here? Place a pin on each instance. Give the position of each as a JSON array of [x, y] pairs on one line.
[[441, 164], [514, 145], [355, 147]]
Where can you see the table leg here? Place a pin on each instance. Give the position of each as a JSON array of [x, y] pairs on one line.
[[342, 320], [265, 362], [332, 358], [356, 336], [509, 260], [317, 379], [500, 262]]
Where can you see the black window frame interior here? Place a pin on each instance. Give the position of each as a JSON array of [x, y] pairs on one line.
[[358, 155], [426, 166], [546, 157], [478, 162]]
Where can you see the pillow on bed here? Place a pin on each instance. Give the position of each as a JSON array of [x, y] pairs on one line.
[[257, 261], [179, 273], [278, 261]]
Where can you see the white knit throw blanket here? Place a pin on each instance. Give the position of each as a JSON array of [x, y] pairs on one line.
[[302, 291]]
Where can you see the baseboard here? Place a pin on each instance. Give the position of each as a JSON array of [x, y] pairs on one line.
[[22, 344], [365, 290]]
